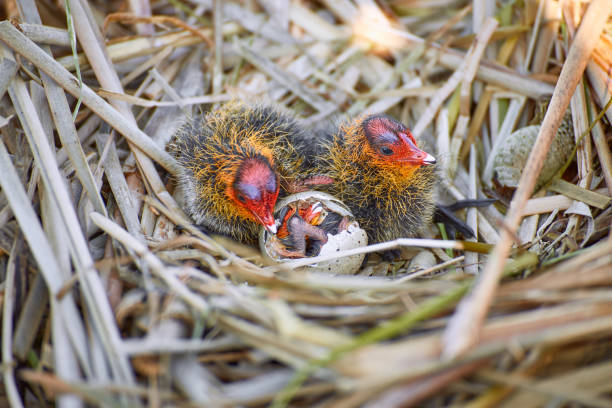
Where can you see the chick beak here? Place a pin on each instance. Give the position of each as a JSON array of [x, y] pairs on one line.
[[271, 228], [415, 156], [429, 159], [267, 220], [420, 158]]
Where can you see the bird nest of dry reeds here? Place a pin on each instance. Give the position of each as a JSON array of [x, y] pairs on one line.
[[111, 298]]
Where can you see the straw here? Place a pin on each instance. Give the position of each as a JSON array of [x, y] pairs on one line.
[[464, 328], [111, 296]]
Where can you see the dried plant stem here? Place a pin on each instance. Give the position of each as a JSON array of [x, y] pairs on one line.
[[514, 110], [91, 285], [119, 186], [465, 325], [75, 56], [471, 258], [465, 89], [476, 122], [270, 68], [571, 190], [384, 246], [8, 69], [95, 49], [415, 391], [558, 392], [43, 34], [439, 97], [30, 318], [131, 18], [22, 45], [603, 151], [547, 204], [157, 267], [7, 330], [64, 121], [218, 46], [43, 254], [487, 72], [194, 100], [386, 331], [392, 328]]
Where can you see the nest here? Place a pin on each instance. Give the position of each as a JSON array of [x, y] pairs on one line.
[[111, 297]]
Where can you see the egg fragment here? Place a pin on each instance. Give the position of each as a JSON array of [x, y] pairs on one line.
[[312, 223]]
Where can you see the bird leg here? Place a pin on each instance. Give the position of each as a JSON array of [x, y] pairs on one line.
[[306, 184], [391, 255], [444, 214], [458, 205], [299, 230]]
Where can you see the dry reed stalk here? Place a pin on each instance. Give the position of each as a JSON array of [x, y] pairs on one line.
[[65, 307], [207, 321], [63, 121], [471, 258], [195, 100], [119, 186], [566, 389], [603, 152], [474, 57], [43, 34], [316, 26], [131, 18], [7, 330], [28, 49], [476, 121], [30, 318], [8, 69], [548, 326], [546, 204], [101, 315], [417, 391], [136, 47], [589, 197], [94, 47], [465, 326], [488, 219], [509, 123]]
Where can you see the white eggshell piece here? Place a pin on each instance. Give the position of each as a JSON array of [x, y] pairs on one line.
[[352, 237]]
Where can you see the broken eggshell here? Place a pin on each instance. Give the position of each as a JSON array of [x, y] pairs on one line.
[[350, 237]]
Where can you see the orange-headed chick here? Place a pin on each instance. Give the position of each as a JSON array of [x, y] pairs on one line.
[[380, 173], [235, 162]]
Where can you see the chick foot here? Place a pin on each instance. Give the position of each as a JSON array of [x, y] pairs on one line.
[[298, 186]]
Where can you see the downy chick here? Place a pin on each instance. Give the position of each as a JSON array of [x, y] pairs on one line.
[[236, 161], [379, 172]]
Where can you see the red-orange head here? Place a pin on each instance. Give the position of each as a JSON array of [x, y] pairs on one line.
[[255, 190], [393, 143]]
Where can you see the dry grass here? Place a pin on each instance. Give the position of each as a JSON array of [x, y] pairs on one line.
[[106, 302]]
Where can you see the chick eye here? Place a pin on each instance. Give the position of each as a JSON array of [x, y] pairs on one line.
[[241, 198], [386, 151]]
